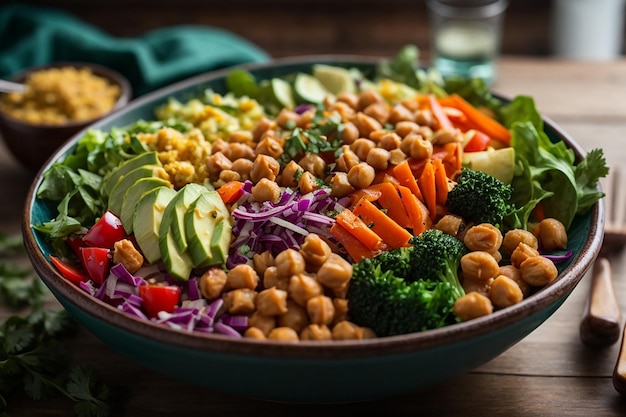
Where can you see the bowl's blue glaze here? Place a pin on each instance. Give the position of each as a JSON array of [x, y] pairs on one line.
[[308, 371]]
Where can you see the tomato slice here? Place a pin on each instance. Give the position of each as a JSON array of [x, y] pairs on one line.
[[105, 232], [75, 242], [96, 262], [70, 272], [158, 298], [478, 142]]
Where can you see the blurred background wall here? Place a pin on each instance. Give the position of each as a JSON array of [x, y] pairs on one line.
[[292, 27]]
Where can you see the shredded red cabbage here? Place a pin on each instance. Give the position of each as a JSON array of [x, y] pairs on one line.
[[558, 256], [275, 227]]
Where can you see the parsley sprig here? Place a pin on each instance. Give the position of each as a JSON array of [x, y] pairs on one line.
[[32, 357]]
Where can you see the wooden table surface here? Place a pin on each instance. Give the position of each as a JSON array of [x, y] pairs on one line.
[[549, 373]]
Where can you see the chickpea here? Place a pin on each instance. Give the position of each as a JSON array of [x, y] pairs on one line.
[[216, 163], [261, 127], [416, 146], [239, 136], [241, 150], [479, 266], [269, 146], [228, 175], [289, 174], [305, 119], [242, 166], [242, 276], [365, 124], [307, 183], [264, 166], [505, 292], [212, 283], [484, 236], [424, 117], [346, 330], [515, 274], [450, 224], [335, 272], [341, 310], [551, 234], [271, 302], [262, 261], [316, 332], [315, 251], [349, 133], [361, 175], [390, 141], [396, 156], [378, 158], [296, 317], [362, 147], [271, 279], [472, 305], [368, 97], [443, 136], [513, 237], [405, 128], [378, 111], [262, 322], [339, 185], [314, 164], [497, 255], [303, 287], [345, 111], [240, 301], [521, 253], [368, 333], [347, 159], [350, 99], [287, 118], [220, 145], [481, 287], [377, 135], [538, 271], [124, 252], [399, 113], [320, 309], [290, 262], [254, 333], [266, 190], [283, 334]]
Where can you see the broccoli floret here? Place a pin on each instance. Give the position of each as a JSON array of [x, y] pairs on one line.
[[391, 305], [480, 198], [408, 289], [436, 255]]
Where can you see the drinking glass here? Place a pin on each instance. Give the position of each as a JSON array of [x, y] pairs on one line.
[[466, 36]]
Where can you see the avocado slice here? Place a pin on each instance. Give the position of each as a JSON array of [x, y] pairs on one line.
[[116, 198], [134, 194], [499, 163], [147, 158], [147, 220], [204, 229], [186, 195]]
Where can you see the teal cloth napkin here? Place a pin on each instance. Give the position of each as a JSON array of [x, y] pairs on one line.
[[31, 36]]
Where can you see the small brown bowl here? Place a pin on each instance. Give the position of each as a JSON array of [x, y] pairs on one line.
[[32, 144]]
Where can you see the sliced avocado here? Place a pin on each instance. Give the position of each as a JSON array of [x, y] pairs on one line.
[[186, 195], [220, 242], [282, 92], [202, 225], [134, 194], [148, 158], [116, 197], [335, 79], [499, 163], [147, 220]]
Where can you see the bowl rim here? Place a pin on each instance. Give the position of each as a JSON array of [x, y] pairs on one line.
[[112, 75], [197, 341]]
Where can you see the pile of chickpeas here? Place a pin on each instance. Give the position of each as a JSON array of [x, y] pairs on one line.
[[301, 294]]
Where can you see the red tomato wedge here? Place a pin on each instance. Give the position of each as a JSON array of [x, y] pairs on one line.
[[107, 230], [96, 262], [158, 298], [70, 272]]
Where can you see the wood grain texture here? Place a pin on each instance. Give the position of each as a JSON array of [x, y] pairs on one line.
[[549, 373]]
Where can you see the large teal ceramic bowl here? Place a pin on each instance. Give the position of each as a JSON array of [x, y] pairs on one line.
[[308, 371]]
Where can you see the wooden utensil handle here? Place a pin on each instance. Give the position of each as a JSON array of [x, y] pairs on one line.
[[619, 373], [601, 321]]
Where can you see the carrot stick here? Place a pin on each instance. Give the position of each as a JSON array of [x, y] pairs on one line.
[[353, 246], [371, 193], [390, 200], [231, 191], [414, 210], [384, 226], [441, 117], [426, 183], [360, 230], [405, 177], [488, 125], [441, 181]]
